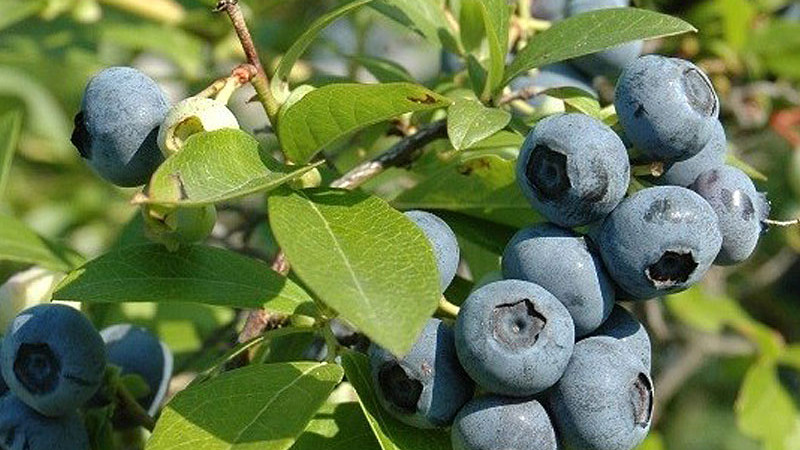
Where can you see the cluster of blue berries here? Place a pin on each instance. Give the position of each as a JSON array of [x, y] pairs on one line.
[[53, 363], [556, 361]]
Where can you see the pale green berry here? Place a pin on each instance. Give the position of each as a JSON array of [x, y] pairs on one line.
[[191, 116]]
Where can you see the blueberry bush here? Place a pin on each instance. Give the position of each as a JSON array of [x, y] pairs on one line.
[[399, 224]]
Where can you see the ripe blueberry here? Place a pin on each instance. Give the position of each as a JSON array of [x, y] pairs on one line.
[[116, 129], [667, 107], [683, 173], [53, 359], [576, 276], [552, 10], [609, 62], [22, 428], [573, 168], [443, 242], [659, 241], [557, 75], [427, 387], [494, 422], [514, 338], [136, 351], [622, 326], [740, 210], [604, 401]]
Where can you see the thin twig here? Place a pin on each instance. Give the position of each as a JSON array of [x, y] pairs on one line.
[[133, 409], [401, 154], [522, 94], [260, 81]]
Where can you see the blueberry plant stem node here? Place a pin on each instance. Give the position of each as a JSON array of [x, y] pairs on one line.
[[447, 309]]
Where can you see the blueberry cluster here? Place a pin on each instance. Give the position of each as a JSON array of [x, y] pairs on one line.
[[556, 362], [53, 362]]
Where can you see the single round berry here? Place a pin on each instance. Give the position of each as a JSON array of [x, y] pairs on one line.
[[611, 62], [659, 241], [494, 422], [427, 387], [712, 156], [740, 210], [136, 351], [443, 242], [22, 428], [514, 338], [191, 116], [116, 128], [53, 359], [567, 265], [176, 227], [573, 168], [551, 10], [557, 75], [622, 326], [667, 106], [604, 401]]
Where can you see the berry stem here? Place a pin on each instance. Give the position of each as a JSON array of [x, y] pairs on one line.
[[331, 343], [223, 88], [260, 81], [131, 407], [447, 309]]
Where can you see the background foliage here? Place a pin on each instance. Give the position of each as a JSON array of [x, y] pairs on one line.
[[727, 362]]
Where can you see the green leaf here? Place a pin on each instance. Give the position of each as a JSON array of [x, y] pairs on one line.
[[495, 20], [10, 127], [471, 21], [19, 244], [186, 50], [764, 408], [480, 184], [592, 32], [217, 166], [262, 406], [338, 426], [362, 258], [577, 100], [331, 112], [19, 10], [425, 17], [201, 274], [384, 70], [391, 433], [301, 44], [469, 122]]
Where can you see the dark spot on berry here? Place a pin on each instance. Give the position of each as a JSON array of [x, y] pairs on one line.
[[37, 368], [642, 400], [671, 269], [517, 325], [599, 186], [659, 211], [399, 389], [639, 111], [547, 172], [699, 92], [80, 137]]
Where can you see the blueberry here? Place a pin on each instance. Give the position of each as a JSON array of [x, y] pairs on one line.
[[22, 428], [567, 266], [551, 10], [494, 422], [3, 385], [573, 168], [514, 338], [136, 351], [558, 75], [116, 129], [611, 62], [604, 401], [659, 241], [53, 359], [667, 107], [740, 210], [683, 173], [442, 240], [427, 387], [622, 326]]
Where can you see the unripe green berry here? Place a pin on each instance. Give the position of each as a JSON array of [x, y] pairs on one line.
[[182, 226], [191, 116]]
